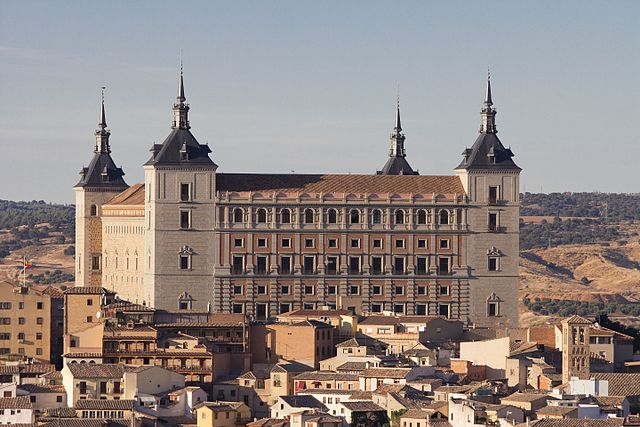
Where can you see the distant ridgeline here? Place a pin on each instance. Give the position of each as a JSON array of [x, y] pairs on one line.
[[15, 214]]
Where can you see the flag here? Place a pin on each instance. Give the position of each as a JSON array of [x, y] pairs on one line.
[[26, 264]]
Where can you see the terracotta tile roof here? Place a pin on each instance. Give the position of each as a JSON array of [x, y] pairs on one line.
[[608, 401], [395, 373], [326, 376], [573, 422], [325, 391], [9, 369], [524, 397], [396, 320], [316, 313], [36, 368], [372, 184], [362, 406], [21, 402], [352, 366], [129, 306], [60, 412], [133, 195], [268, 422], [35, 388], [576, 319], [557, 410], [360, 395], [85, 422], [86, 355], [303, 401], [621, 384], [123, 404], [418, 414], [87, 370]]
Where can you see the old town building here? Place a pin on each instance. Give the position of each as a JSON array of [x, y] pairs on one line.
[[191, 238]]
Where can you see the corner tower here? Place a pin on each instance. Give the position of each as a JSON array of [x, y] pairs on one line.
[[99, 182], [397, 163], [179, 218], [491, 181]]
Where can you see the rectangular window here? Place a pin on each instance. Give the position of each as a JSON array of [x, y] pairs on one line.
[[421, 265], [38, 335], [422, 290], [332, 265], [493, 195], [262, 243], [492, 264], [83, 387], [308, 243], [332, 243], [185, 220], [376, 290], [262, 289], [95, 262], [443, 265], [443, 310], [331, 290], [398, 308], [354, 290], [22, 320], [422, 243], [5, 305], [421, 309], [285, 308], [39, 305], [238, 264], [39, 320], [376, 265], [285, 290], [103, 387], [399, 243], [237, 308], [286, 243], [261, 264], [444, 243], [399, 290], [355, 243], [376, 307], [185, 192], [354, 265], [492, 309], [237, 243], [308, 289], [185, 262], [493, 221], [116, 387], [377, 243], [443, 290], [398, 265], [309, 266], [285, 265], [21, 305], [237, 289]]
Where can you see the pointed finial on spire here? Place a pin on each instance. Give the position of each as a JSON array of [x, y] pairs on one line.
[[103, 120], [487, 99], [398, 127], [181, 96], [180, 108]]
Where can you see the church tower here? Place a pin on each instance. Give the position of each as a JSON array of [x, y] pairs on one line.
[[575, 348], [397, 163], [491, 181], [179, 238], [99, 182]]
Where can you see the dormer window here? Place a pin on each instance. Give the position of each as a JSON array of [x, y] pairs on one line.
[[491, 156], [184, 154]]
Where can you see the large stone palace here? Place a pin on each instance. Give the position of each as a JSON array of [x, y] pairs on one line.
[[190, 238]]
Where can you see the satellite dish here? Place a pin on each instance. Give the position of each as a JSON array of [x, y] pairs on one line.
[[98, 315]]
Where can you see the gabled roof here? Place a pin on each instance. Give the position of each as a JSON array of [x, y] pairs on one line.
[[89, 370], [488, 146], [123, 404], [303, 401], [621, 384], [133, 195], [21, 402], [102, 172], [169, 152], [397, 166]]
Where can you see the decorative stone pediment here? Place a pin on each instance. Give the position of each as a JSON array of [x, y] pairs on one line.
[[186, 250], [494, 251]]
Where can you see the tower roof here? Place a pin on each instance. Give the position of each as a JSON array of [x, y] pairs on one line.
[[487, 152], [102, 171], [397, 163]]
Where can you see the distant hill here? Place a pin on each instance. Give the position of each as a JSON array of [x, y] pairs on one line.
[[15, 214], [610, 206]]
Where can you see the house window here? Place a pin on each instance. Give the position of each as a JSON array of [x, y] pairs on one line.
[[399, 290], [185, 302], [399, 243], [422, 290], [262, 243], [493, 195], [493, 221], [237, 308], [355, 216], [285, 216], [444, 243], [376, 290], [185, 220], [261, 311], [376, 307], [95, 262], [185, 262], [421, 309], [332, 243], [308, 243], [492, 309], [376, 265], [377, 243], [285, 265], [237, 243], [261, 216], [376, 217], [286, 243], [355, 243], [39, 320], [443, 265], [237, 215], [285, 308], [237, 289], [308, 216], [398, 308], [354, 265], [185, 192], [285, 290], [262, 289], [238, 264], [331, 290], [332, 265], [332, 216], [443, 310], [354, 290], [422, 217], [94, 210], [399, 217], [421, 265], [308, 289], [443, 290], [422, 243], [444, 217], [398, 265], [492, 263], [261, 264], [309, 265]]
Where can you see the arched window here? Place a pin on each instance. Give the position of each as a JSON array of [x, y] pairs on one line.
[[422, 217], [444, 216], [308, 216], [261, 215], [237, 215], [355, 216], [285, 216], [376, 217], [94, 210], [399, 216], [332, 216]]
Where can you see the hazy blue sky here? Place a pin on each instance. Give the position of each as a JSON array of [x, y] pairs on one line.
[[310, 86]]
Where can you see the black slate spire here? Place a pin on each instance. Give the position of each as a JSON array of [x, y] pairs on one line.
[[397, 163]]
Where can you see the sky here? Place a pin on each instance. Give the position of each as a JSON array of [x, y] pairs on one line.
[[311, 86]]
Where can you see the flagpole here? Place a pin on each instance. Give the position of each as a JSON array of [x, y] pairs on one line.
[[24, 271]]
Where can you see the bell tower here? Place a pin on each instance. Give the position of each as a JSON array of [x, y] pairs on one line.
[[99, 182], [575, 348]]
